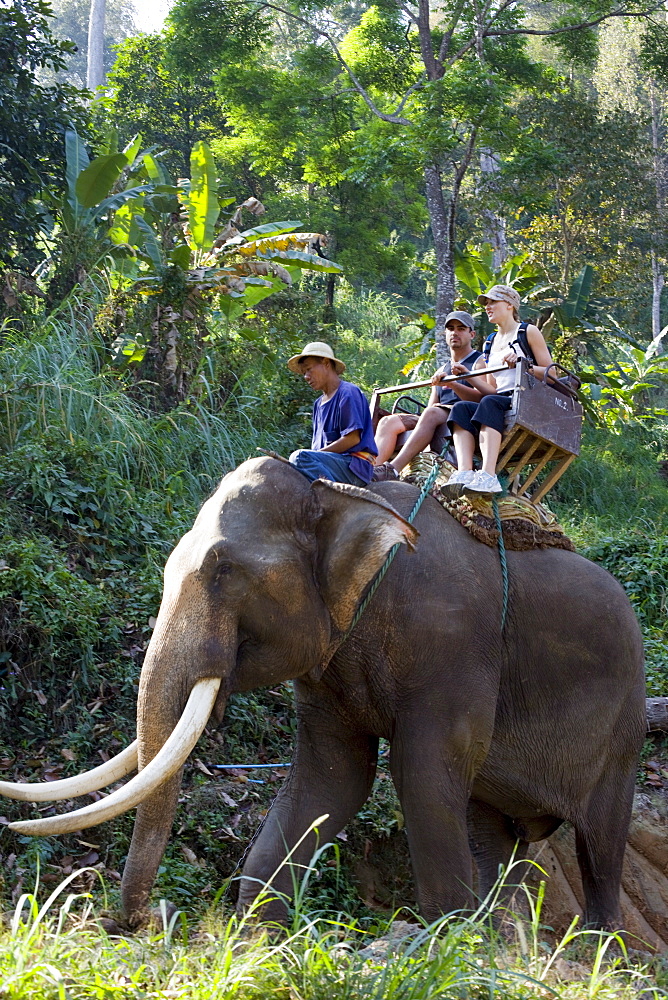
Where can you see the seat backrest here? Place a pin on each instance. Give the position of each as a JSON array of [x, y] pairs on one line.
[[546, 413]]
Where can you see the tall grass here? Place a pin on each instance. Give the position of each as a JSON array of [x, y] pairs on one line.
[[614, 487], [53, 384], [59, 950], [369, 313]]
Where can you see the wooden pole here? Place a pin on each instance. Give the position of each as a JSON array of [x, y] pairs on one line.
[[443, 381]]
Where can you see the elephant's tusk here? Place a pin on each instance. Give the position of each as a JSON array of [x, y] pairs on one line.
[[166, 762], [80, 784]]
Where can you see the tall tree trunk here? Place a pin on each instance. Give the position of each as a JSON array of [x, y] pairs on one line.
[[441, 217], [329, 312], [494, 227], [658, 279], [658, 282], [95, 69]]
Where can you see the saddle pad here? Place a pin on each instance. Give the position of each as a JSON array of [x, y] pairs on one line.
[[525, 525]]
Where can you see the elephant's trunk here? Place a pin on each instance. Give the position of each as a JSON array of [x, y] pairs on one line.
[[157, 714]]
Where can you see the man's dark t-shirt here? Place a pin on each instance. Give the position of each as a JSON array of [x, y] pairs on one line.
[[446, 395], [346, 411]]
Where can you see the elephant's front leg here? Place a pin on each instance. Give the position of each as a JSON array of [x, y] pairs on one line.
[[332, 773], [432, 775]]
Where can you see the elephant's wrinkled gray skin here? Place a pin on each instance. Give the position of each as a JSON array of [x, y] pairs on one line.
[[539, 725]]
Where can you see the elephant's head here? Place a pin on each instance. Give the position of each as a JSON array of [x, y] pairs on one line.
[[262, 589]]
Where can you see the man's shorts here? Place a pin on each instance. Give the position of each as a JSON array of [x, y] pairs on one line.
[[325, 465]]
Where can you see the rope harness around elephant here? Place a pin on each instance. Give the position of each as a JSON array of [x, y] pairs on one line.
[[502, 559], [378, 579]]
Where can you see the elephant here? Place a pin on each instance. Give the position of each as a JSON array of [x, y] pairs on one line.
[[497, 734]]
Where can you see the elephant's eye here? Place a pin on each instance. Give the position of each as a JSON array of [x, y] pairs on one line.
[[222, 570]]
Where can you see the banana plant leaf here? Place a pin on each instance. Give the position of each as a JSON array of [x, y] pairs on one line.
[[76, 160], [302, 259], [270, 229], [579, 294], [154, 169], [95, 182], [149, 242], [203, 207], [180, 255], [132, 148], [115, 201]]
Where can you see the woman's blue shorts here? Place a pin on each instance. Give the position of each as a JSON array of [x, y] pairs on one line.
[[489, 412]]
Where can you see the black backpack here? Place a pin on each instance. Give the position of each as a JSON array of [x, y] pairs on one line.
[[522, 340]]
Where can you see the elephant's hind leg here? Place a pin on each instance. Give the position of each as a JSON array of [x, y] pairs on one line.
[[600, 840], [497, 851]]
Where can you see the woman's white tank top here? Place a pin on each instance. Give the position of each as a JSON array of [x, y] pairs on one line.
[[501, 344]]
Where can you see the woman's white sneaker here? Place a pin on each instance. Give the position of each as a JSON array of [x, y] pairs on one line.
[[483, 482], [460, 477]]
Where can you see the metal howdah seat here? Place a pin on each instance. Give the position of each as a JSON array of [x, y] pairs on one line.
[[542, 429]]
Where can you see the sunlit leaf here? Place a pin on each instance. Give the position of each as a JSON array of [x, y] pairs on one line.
[[271, 229], [154, 169], [203, 208], [96, 181], [132, 148], [301, 259]]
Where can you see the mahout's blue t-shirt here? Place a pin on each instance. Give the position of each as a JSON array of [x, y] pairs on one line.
[[346, 411]]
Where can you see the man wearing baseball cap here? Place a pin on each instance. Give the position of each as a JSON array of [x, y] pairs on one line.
[[459, 327], [342, 446]]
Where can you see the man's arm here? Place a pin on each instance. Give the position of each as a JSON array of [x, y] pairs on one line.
[[344, 443], [466, 392], [481, 385]]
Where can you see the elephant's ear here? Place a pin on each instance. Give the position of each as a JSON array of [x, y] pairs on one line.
[[355, 531]]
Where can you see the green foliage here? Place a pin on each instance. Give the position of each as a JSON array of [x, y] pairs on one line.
[[309, 153], [380, 51], [208, 33], [621, 387], [641, 566], [566, 190], [149, 96], [612, 502], [578, 47], [33, 118], [42, 634]]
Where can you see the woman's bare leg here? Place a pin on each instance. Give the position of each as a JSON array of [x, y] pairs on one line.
[[464, 446], [490, 445]]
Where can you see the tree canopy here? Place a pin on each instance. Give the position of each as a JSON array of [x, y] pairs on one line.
[[33, 119]]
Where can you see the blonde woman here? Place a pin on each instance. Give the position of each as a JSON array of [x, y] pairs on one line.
[[482, 422]]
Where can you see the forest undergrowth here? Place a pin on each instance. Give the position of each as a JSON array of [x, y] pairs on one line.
[[96, 491]]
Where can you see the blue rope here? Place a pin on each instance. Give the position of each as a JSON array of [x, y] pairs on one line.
[[429, 482], [502, 557]]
